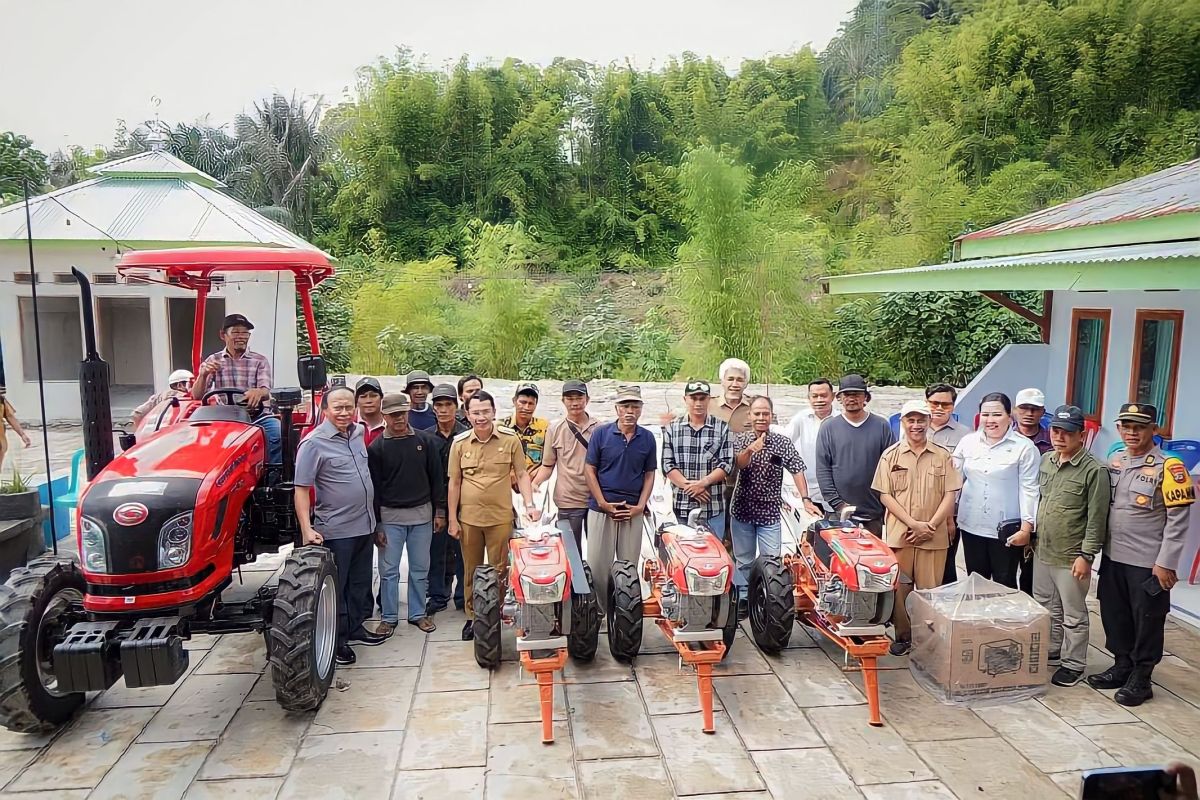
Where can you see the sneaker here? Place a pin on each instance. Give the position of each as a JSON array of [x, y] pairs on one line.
[[385, 629], [424, 623], [365, 637], [1065, 676], [900, 647], [468, 632], [344, 655], [1055, 658], [1136, 690], [1112, 678]]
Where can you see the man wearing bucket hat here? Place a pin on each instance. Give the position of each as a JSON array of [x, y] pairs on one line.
[[179, 384], [445, 553], [418, 385], [917, 484], [1152, 498]]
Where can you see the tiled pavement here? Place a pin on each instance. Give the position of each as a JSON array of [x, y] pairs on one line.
[[417, 718]]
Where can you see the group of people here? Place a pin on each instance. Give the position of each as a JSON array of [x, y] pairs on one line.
[[430, 472]]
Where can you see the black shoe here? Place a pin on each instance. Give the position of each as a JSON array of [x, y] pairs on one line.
[[345, 655], [364, 636], [1136, 690], [1055, 658], [460, 605], [900, 647], [1112, 678], [433, 608], [468, 633], [1065, 676]]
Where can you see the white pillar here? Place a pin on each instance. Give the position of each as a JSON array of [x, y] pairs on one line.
[[160, 340]]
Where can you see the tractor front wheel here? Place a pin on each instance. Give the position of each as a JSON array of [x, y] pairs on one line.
[[32, 605], [772, 604], [624, 612], [302, 629], [485, 598], [585, 622], [885, 604]]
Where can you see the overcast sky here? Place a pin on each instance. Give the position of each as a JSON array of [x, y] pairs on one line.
[[70, 68]]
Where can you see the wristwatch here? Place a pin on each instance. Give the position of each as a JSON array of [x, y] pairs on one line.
[[1088, 557]]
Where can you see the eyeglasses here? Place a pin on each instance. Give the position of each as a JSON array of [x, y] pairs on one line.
[[939, 404]]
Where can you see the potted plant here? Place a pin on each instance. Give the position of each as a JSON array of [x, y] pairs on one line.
[[18, 498]]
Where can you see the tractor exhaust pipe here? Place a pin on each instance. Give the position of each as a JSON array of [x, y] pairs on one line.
[[93, 390]]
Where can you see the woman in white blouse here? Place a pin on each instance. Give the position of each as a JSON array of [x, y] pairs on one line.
[[1000, 485]]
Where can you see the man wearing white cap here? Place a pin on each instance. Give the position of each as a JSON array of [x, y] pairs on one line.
[[179, 385], [1030, 409], [917, 484]]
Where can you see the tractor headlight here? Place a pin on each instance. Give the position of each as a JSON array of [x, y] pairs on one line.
[[175, 541], [91, 545], [543, 592], [706, 585], [876, 581]]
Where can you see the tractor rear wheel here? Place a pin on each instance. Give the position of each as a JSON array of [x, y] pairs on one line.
[[624, 612], [585, 622], [31, 608], [729, 632], [302, 629], [485, 597], [772, 604]]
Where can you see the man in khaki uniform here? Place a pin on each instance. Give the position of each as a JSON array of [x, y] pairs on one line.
[[917, 483], [483, 463]]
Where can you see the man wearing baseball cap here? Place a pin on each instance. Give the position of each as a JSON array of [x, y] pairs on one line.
[[417, 385], [1028, 411], [368, 395], [1152, 498], [529, 429], [918, 485], [622, 458], [1072, 522], [238, 367], [849, 447], [445, 553], [564, 455], [697, 457]]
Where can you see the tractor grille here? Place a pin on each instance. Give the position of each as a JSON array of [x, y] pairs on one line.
[[540, 619], [133, 549], [699, 613], [871, 582]]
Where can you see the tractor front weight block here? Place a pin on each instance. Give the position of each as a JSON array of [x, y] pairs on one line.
[[83, 660], [153, 654], [93, 655]]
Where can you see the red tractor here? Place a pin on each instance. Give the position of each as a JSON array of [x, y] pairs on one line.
[[841, 581], [163, 526], [691, 598], [550, 603]]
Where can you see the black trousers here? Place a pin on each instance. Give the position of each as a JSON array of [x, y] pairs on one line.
[[950, 574], [445, 566], [1133, 618], [1025, 579], [991, 558], [353, 556]]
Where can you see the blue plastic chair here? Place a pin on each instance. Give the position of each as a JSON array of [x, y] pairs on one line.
[[894, 422], [1188, 451], [70, 498]]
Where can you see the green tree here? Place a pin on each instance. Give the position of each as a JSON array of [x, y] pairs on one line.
[[20, 162]]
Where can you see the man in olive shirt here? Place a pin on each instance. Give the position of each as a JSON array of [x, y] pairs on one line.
[[731, 406], [1072, 521], [483, 462], [917, 484]]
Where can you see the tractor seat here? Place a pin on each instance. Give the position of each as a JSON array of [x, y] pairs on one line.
[[220, 413]]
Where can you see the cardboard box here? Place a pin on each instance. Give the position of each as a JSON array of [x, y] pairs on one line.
[[976, 642]]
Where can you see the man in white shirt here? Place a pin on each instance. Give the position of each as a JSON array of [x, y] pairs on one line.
[[802, 429]]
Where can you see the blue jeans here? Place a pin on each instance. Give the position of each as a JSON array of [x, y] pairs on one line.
[[751, 540], [274, 433], [416, 538], [716, 524]]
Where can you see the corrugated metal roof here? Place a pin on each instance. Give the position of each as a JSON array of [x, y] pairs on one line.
[[154, 164], [131, 207], [1091, 255], [1169, 191]]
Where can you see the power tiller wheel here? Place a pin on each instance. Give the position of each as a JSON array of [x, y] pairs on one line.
[[485, 597], [302, 629], [624, 612], [31, 608], [885, 603], [585, 622], [772, 604], [729, 632]]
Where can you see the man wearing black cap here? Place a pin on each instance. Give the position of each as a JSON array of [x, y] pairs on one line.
[[530, 430], [238, 367], [565, 453], [697, 457], [1152, 497], [849, 447], [368, 395], [1072, 523], [445, 552], [417, 386]]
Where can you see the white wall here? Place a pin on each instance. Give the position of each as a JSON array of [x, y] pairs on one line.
[[271, 308], [1016, 367], [1124, 306]]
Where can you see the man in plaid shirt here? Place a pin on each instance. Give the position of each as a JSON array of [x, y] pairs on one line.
[[238, 367], [697, 456]]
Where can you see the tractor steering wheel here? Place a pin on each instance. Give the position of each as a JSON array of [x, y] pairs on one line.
[[228, 393]]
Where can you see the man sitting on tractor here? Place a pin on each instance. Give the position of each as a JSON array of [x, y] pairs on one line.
[[178, 385], [238, 367]]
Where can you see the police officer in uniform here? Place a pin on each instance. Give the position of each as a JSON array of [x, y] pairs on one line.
[[1152, 496]]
